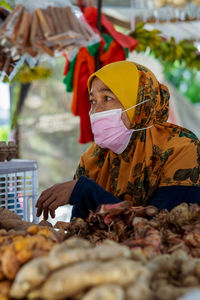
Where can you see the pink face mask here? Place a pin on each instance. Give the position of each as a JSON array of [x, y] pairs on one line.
[[109, 130]]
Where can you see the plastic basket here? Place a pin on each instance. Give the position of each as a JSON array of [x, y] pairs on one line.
[[19, 187]]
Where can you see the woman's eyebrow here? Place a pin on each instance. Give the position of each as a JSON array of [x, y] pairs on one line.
[[105, 90]]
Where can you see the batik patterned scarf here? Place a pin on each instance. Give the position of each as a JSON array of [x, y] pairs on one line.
[[163, 155]]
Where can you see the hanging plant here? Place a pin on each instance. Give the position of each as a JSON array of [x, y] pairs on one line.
[[166, 50], [27, 74], [5, 4]]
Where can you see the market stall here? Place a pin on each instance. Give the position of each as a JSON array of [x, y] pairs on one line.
[[120, 251]]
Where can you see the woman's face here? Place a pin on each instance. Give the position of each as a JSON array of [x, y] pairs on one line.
[[102, 98]]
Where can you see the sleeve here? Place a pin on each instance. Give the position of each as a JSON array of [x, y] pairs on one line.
[[88, 195], [171, 196]]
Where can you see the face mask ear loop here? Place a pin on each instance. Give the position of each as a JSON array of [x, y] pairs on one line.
[[143, 128], [136, 105], [148, 126], [91, 113]]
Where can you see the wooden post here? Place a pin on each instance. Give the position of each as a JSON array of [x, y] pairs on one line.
[[24, 89], [99, 15]]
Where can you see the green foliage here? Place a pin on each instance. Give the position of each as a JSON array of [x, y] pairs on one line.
[[5, 4], [184, 51], [186, 80], [147, 38], [181, 60], [27, 74], [4, 133]]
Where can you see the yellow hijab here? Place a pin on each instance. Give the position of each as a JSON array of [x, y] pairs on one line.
[[126, 93], [163, 155]]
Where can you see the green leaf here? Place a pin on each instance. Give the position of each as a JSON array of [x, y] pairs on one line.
[[5, 4]]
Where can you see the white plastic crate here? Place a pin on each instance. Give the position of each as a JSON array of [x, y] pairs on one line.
[[19, 187]]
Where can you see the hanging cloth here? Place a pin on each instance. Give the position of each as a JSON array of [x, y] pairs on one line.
[[84, 67], [125, 41], [114, 53], [69, 73], [113, 47]]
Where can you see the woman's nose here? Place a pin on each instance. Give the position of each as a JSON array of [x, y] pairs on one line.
[[97, 108]]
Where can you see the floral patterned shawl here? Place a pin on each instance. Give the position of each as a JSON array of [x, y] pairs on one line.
[[163, 155]]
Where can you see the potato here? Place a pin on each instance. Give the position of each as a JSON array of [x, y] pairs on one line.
[[8, 214], [105, 292], [13, 224]]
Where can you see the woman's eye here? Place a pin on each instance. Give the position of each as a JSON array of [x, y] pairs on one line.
[[107, 98], [91, 101]]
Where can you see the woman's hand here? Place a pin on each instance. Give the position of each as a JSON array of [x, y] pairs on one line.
[[55, 196]]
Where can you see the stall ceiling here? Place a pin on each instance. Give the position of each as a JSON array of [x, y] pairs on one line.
[[146, 9]]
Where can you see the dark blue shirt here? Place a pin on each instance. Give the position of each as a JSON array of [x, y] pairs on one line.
[[88, 195]]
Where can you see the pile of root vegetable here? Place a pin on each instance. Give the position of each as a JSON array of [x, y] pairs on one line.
[[146, 228], [120, 252]]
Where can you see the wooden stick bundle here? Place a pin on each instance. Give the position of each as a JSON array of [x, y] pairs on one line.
[[44, 31], [49, 21], [11, 26], [24, 28], [55, 19], [43, 22]]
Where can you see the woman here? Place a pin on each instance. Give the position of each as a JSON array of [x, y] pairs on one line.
[[136, 155]]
